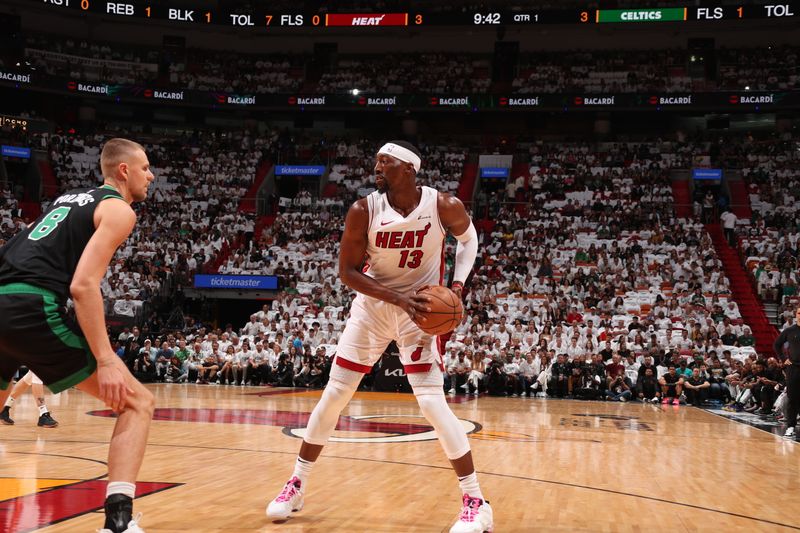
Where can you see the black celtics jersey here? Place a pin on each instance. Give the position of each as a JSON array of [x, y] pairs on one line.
[[46, 254]]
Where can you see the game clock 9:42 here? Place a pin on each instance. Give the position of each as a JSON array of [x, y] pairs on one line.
[[488, 18]]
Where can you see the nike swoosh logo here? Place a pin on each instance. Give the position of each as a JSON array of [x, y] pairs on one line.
[[423, 218], [384, 223]]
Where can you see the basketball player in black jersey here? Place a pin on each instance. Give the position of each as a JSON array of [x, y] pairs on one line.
[[65, 254]]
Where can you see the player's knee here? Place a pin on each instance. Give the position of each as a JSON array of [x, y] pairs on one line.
[[337, 394], [425, 405], [143, 402], [149, 401], [429, 399]]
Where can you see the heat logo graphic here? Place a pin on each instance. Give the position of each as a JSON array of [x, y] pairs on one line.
[[366, 19]]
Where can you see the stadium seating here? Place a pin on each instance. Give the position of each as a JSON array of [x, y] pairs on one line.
[[585, 241]]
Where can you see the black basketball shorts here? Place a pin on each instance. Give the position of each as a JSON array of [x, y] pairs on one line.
[[35, 332]]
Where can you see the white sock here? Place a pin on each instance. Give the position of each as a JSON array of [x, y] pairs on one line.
[[469, 485], [42, 409], [302, 469], [9, 402], [121, 487]]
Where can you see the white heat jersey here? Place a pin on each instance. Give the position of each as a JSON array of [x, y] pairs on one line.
[[405, 253]]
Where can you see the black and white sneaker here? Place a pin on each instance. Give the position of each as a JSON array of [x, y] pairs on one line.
[[119, 515], [47, 421], [5, 417], [133, 526]]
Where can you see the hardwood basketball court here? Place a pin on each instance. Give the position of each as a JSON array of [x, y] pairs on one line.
[[217, 455]]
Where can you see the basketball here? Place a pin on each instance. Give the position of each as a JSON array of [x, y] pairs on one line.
[[446, 311]]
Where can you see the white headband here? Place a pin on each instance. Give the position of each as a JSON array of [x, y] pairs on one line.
[[403, 154]]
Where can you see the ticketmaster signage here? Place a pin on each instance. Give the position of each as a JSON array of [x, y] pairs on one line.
[[494, 172], [641, 15], [300, 170], [221, 281], [15, 151], [707, 173]]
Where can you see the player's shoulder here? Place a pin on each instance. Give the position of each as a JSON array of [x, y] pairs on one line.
[[447, 200], [358, 214], [116, 212], [360, 206], [117, 205]]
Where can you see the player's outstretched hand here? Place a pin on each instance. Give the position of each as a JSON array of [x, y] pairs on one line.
[[114, 389], [413, 303]]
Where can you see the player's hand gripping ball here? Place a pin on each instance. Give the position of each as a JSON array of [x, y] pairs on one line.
[[445, 314]]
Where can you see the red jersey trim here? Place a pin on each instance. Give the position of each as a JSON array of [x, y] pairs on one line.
[[418, 368], [355, 367]]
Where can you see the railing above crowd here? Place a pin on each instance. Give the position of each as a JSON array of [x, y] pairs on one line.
[[750, 78]]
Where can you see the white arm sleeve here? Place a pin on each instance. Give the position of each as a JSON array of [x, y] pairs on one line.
[[466, 252]]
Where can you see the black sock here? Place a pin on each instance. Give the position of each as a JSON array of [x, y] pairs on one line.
[[119, 511]]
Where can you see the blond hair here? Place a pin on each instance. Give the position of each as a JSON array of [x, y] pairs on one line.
[[116, 151]]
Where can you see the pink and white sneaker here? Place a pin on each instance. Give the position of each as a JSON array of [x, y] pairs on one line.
[[475, 517], [288, 501]]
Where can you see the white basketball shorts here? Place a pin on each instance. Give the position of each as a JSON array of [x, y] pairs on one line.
[[372, 325]]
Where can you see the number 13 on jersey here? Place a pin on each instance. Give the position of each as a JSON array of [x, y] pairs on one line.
[[414, 262]]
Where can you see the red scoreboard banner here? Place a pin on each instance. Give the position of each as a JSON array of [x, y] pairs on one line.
[[366, 19]]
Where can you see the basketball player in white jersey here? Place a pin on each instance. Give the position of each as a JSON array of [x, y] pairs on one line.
[[37, 387], [400, 229]]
